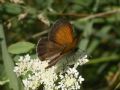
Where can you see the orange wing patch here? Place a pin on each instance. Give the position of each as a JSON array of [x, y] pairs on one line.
[[64, 35], [61, 32]]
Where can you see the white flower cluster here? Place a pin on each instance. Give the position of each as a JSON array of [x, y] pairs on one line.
[[34, 74], [70, 81]]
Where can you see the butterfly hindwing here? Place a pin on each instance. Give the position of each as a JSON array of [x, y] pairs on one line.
[[47, 49]]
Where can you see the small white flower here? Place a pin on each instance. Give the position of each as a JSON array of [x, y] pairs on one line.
[[80, 79]]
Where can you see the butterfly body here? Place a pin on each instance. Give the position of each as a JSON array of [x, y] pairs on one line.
[[60, 41]]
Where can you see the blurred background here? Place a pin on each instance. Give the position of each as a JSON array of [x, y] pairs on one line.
[[23, 22]]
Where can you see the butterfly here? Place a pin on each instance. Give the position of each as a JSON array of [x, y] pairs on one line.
[[60, 41]]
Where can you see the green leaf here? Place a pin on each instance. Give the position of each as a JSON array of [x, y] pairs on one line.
[[20, 47], [83, 44], [93, 46], [12, 8], [88, 29]]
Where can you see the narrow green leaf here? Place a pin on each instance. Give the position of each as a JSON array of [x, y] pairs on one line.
[[83, 44], [88, 29], [103, 32], [93, 46], [20, 47], [8, 64]]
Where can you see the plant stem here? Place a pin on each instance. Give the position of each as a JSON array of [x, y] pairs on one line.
[[104, 59]]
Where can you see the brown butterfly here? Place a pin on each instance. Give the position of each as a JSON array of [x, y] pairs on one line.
[[60, 41]]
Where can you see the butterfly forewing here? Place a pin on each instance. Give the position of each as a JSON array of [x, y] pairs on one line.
[[61, 32]]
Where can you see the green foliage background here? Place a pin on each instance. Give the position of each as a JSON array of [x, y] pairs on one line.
[[22, 23]]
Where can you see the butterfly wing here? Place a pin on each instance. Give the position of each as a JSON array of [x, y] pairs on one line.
[[59, 41], [47, 49], [61, 32]]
